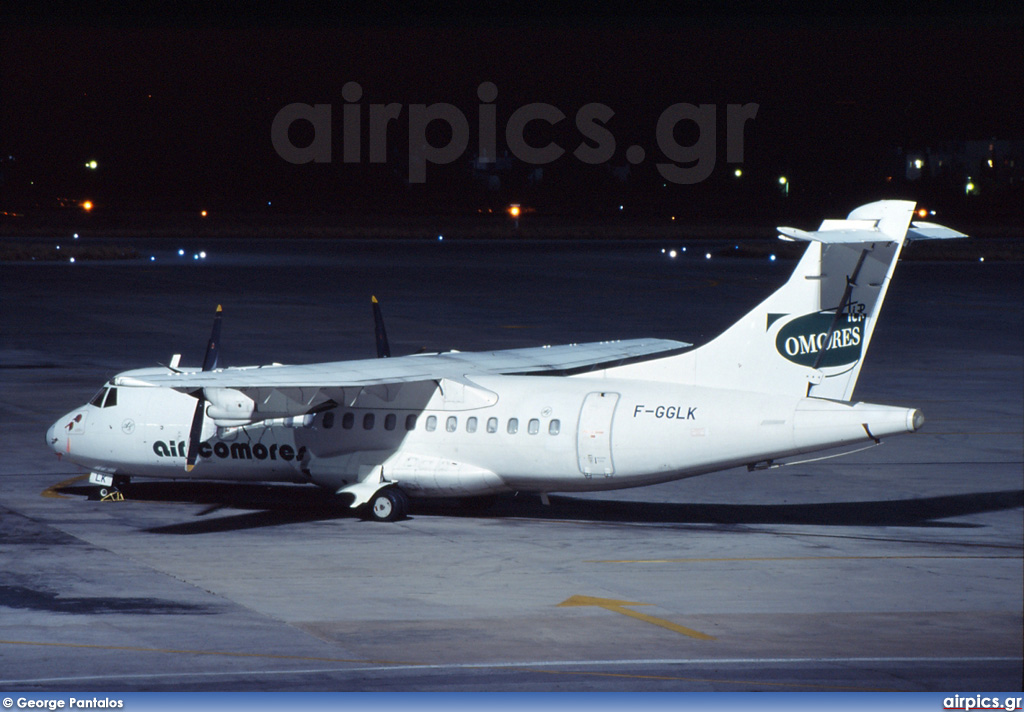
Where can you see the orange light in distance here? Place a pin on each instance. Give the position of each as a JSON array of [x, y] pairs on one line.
[[87, 205], [923, 212], [202, 213], [514, 210]]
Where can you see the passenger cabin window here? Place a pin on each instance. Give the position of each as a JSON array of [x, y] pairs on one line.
[[431, 423], [451, 424], [348, 420], [492, 425], [368, 421], [410, 422], [533, 427], [471, 425], [389, 421], [513, 426], [554, 427], [328, 420]]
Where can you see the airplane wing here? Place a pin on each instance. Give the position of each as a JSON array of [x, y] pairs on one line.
[[543, 360], [279, 391]]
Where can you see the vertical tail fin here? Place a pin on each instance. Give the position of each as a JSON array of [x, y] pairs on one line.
[[811, 335]]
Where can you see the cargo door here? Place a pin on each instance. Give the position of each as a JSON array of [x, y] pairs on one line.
[[594, 434]]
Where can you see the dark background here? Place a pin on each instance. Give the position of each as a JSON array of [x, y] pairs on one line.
[[175, 105]]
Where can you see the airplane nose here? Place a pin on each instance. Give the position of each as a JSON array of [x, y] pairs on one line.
[[51, 437]]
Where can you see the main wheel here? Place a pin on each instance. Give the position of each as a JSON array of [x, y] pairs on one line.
[[388, 505]]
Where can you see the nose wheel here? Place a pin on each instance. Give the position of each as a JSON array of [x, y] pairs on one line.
[[109, 487], [110, 494]]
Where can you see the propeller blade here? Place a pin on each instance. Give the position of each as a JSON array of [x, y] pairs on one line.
[[195, 432], [212, 356], [383, 349], [209, 363]]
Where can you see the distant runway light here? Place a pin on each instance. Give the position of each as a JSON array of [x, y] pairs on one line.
[[771, 258], [707, 255], [202, 254], [662, 250], [195, 256], [71, 260], [684, 249], [672, 254], [440, 238], [981, 259], [76, 236], [152, 258], [202, 213], [181, 253]]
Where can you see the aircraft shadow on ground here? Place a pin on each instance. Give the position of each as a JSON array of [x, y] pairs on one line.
[[277, 505]]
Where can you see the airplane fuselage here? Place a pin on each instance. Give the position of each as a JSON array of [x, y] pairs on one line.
[[494, 434]]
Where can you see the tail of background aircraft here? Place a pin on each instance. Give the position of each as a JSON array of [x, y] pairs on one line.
[[811, 335]]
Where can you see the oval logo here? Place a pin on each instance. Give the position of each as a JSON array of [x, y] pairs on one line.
[[803, 339]]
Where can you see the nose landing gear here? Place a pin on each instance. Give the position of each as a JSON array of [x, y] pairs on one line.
[[108, 486]]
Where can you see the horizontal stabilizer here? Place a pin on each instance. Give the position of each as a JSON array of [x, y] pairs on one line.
[[834, 237], [930, 231]]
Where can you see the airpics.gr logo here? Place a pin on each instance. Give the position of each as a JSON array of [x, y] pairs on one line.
[[804, 339]]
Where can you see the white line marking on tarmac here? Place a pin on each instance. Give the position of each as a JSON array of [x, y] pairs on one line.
[[514, 665]]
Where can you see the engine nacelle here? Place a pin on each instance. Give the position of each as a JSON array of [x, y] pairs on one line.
[[228, 406]]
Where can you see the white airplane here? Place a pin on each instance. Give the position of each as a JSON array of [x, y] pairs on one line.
[[583, 417]]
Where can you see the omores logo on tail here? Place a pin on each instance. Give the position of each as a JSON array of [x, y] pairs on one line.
[[812, 340]]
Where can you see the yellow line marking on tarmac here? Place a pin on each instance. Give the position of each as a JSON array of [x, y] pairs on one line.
[[970, 432], [52, 492], [208, 652], [796, 558], [610, 604], [755, 683]]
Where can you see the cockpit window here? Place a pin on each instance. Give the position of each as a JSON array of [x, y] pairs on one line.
[[111, 398], [97, 400]]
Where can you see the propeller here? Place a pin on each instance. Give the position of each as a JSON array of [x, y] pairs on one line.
[[212, 353], [210, 361], [383, 349]]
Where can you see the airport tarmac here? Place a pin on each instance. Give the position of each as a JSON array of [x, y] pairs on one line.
[[896, 568]]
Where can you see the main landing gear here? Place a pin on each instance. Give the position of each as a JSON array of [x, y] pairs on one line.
[[387, 505]]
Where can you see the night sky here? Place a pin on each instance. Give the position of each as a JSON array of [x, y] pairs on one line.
[[178, 113]]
